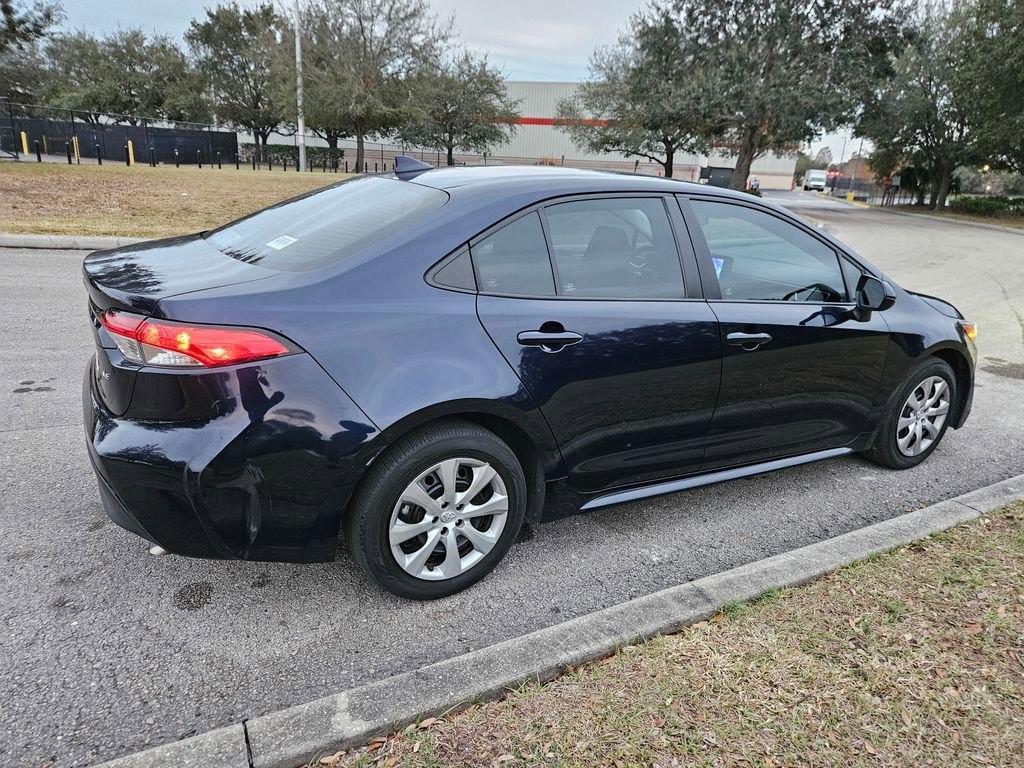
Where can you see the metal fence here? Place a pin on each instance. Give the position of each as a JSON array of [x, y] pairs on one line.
[[870, 192], [54, 133], [39, 130]]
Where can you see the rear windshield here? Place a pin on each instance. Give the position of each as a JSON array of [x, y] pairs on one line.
[[327, 225]]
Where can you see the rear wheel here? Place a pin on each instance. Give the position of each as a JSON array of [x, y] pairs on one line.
[[438, 511], [917, 417]]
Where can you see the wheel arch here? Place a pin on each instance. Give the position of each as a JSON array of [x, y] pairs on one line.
[[526, 434], [961, 366]]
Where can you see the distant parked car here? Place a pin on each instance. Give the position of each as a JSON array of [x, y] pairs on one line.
[[418, 364], [815, 179]]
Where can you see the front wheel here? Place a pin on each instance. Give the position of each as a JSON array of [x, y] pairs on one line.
[[438, 511], [917, 417]]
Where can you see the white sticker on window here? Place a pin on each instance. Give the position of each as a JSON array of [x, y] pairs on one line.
[[282, 242]]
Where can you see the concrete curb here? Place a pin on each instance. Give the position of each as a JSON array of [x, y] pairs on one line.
[[949, 220], [296, 735], [65, 242]]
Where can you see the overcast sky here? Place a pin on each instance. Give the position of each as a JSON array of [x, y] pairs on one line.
[[527, 39]]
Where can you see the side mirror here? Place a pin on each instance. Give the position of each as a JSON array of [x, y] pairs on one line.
[[875, 294]]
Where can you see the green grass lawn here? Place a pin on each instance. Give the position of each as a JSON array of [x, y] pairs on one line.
[[913, 658], [50, 198]]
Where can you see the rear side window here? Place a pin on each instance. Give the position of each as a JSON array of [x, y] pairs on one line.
[[514, 260], [760, 257], [620, 248], [327, 225]]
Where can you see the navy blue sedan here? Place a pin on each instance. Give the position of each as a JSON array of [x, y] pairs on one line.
[[418, 364]]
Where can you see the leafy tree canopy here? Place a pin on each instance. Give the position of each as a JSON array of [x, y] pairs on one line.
[[461, 104], [122, 76], [360, 59], [645, 98], [22, 27], [235, 50]]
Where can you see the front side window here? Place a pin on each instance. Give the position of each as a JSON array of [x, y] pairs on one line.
[[514, 260], [620, 248], [760, 257]]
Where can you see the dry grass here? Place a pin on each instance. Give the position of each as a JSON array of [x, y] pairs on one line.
[[50, 198], [913, 658]]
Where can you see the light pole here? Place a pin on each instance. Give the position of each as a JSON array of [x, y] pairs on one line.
[[298, 88]]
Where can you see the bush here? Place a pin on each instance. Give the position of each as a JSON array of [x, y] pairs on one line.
[[989, 206], [279, 153]]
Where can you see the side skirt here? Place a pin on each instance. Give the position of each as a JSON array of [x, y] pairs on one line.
[[695, 481]]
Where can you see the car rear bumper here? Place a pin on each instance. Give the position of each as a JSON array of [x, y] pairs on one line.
[[265, 477]]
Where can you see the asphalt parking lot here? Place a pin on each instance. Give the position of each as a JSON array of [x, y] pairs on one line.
[[106, 650]]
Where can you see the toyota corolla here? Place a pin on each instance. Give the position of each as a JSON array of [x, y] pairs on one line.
[[416, 365]]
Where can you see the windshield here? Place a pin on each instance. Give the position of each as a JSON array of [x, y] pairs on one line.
[[327, 225]]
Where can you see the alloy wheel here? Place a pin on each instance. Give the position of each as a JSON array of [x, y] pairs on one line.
[[448, 518], [922, 416]]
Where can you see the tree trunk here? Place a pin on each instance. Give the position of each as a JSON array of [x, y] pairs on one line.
[[359, 151], [933, 185], [670, 152], [945, 182], [262, 135], [332, 142], [451, 155], [744, 159]]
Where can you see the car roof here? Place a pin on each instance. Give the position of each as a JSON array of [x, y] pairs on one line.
[[549, 181]]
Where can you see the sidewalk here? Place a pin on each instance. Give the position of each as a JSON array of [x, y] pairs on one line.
[[65, 242]]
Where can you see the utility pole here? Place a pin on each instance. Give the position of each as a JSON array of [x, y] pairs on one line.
[[298, 88]]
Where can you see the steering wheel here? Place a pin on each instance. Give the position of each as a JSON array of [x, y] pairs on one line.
[[823, 290]]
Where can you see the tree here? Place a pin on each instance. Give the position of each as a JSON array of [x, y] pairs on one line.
[[21, 59], [787, 70], [461, 105], [122, 77], [235, 50], [22, 73], [922, 112], [363, 69], [644, 97], [21, 28], [990, 74], [325, 84]]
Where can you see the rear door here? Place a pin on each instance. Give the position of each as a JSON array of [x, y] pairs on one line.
[[594, 304], [801, 369]]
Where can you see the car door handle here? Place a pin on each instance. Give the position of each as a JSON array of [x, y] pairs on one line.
[[749, 341], [549, 341]]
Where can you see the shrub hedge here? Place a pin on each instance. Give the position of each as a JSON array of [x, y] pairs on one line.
[[315, 156], [989, 206]]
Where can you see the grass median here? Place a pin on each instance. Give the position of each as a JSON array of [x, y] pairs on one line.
[[1008, 220], [139, 201], [915, 657]]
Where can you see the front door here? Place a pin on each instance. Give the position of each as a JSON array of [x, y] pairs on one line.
[[801, 369], [617, 349]]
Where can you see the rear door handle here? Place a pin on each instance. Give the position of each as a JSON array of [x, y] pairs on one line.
[[549, 341], [749, 341]]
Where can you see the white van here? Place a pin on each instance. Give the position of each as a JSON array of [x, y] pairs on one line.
[[815, 179]]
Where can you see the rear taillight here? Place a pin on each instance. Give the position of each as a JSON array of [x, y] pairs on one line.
[[150, 341]]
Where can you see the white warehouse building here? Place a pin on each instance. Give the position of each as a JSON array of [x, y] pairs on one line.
[[537, 137]]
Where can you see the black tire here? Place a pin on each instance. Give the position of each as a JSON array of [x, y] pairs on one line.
[[369, 514], [885, 450]]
